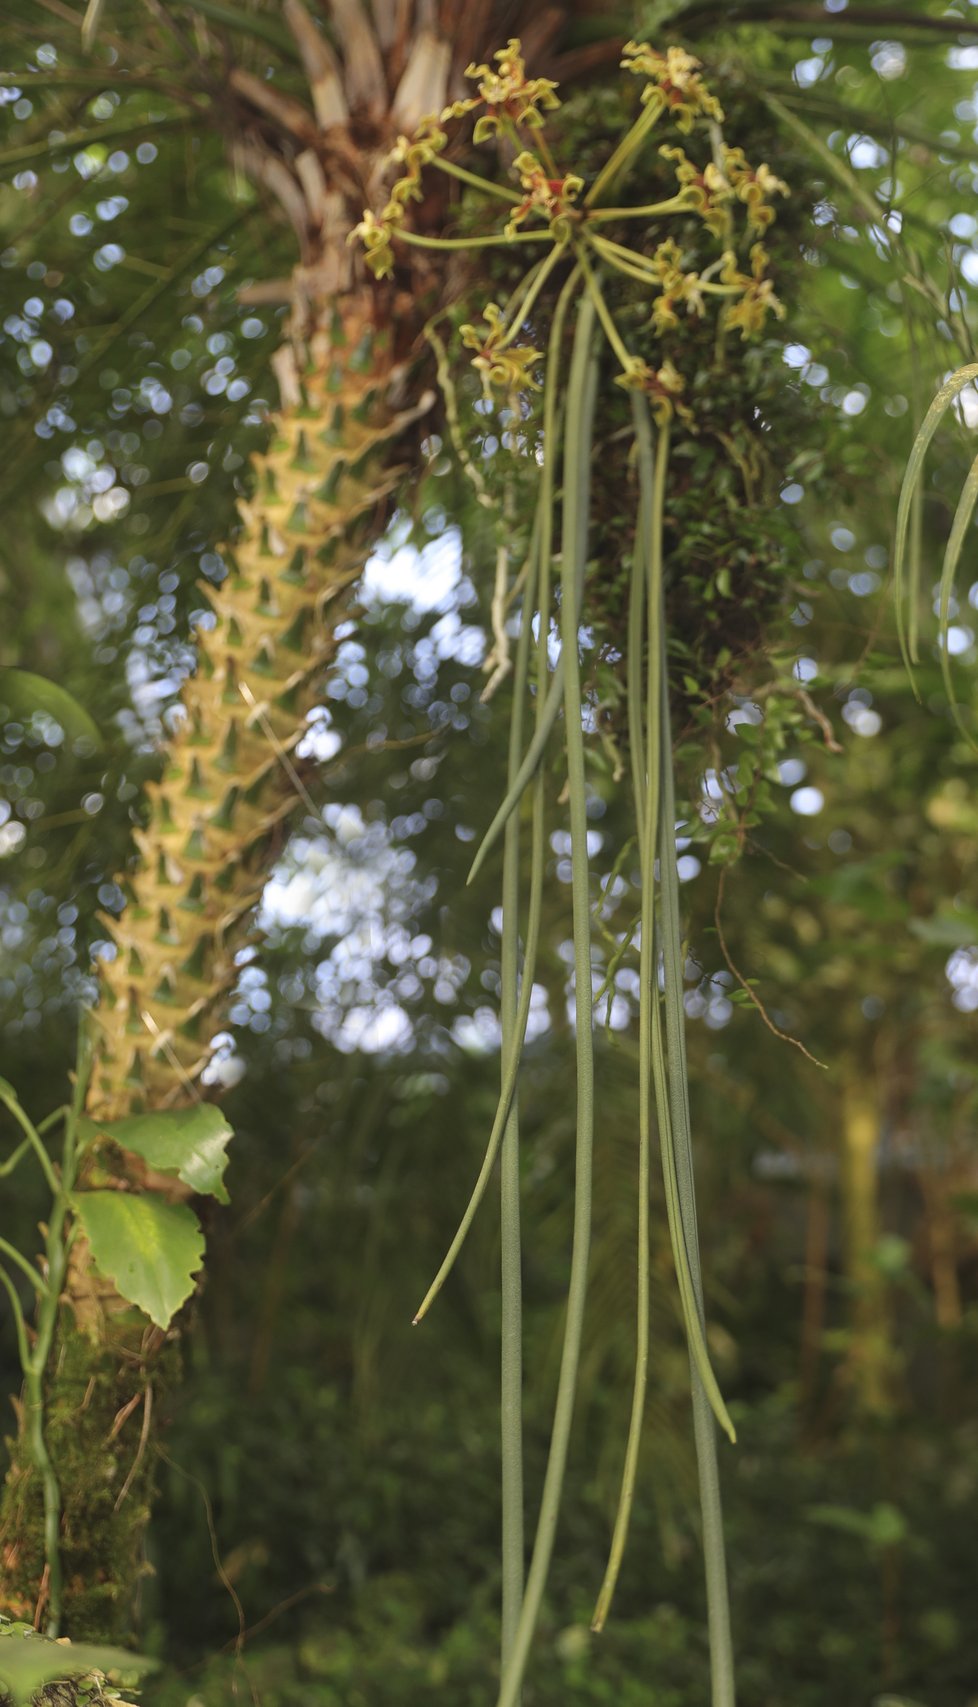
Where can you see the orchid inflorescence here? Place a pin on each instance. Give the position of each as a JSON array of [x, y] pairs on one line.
[[556, 207], [584, 242]]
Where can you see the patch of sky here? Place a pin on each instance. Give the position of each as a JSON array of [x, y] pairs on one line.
[[807, 801], [864, 153]]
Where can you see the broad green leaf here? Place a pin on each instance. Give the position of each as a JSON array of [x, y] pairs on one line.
[[24, 693], [150, 1250], [189, 1142], [29, 1661]]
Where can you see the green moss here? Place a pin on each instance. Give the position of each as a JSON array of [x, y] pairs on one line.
[[101, 1436]]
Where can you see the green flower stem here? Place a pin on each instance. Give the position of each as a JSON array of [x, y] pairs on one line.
[[614, 254], [477, 183], [907, 578], [657, 684], [546, 713], [548, 705], [511, 1259], [33, 1138], [627, 147], [541, 146], [498, 241], [916, 519], [534, 753], [955, 545], [646, 785], [523, 306], [678, 1232], [675, 204], [35, 1365], [513, 300], [582, 386], [723, 1687], [25, 1267], [505, 1101], [611, 331], [613, 251]]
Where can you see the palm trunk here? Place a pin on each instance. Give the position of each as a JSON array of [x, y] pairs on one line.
[[319, 502]]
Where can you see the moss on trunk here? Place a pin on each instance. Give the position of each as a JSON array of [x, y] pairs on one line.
[[104, 1401]]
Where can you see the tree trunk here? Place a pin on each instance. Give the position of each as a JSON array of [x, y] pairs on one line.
[[868, 1358], [320, 500]]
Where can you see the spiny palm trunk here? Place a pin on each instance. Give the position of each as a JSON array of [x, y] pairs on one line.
[[320, 497], [319, 500], [318, 504]]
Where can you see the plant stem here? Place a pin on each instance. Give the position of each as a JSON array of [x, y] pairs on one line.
[[25, 1267], [645, 750], [582, 386], [611, 331], [35, 1367], [906, 585], [497, 241], [541, 275], [630, 142], [53, 1118], [675, 204], [511, 1260], [473, 178], [624, 267], [534, 753], [723, 1686], [20, 1325], [27, 1126], [15, 1156], [547, 707]]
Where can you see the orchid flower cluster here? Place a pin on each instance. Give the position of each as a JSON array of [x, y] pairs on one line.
[[557, 209]]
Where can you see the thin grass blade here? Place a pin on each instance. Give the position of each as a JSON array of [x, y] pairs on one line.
[[952, 556], [647, 554], [722, 1681], [906, 589], [527, 770]]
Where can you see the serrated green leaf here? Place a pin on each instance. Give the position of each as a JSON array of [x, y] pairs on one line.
[[189, 1142], [151, 1250], [29, 1661], [23, 693]]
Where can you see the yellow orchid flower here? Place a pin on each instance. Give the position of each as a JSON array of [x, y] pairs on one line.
[[673, 83]]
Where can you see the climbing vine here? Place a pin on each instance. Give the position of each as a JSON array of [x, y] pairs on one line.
[[148, 1249]]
